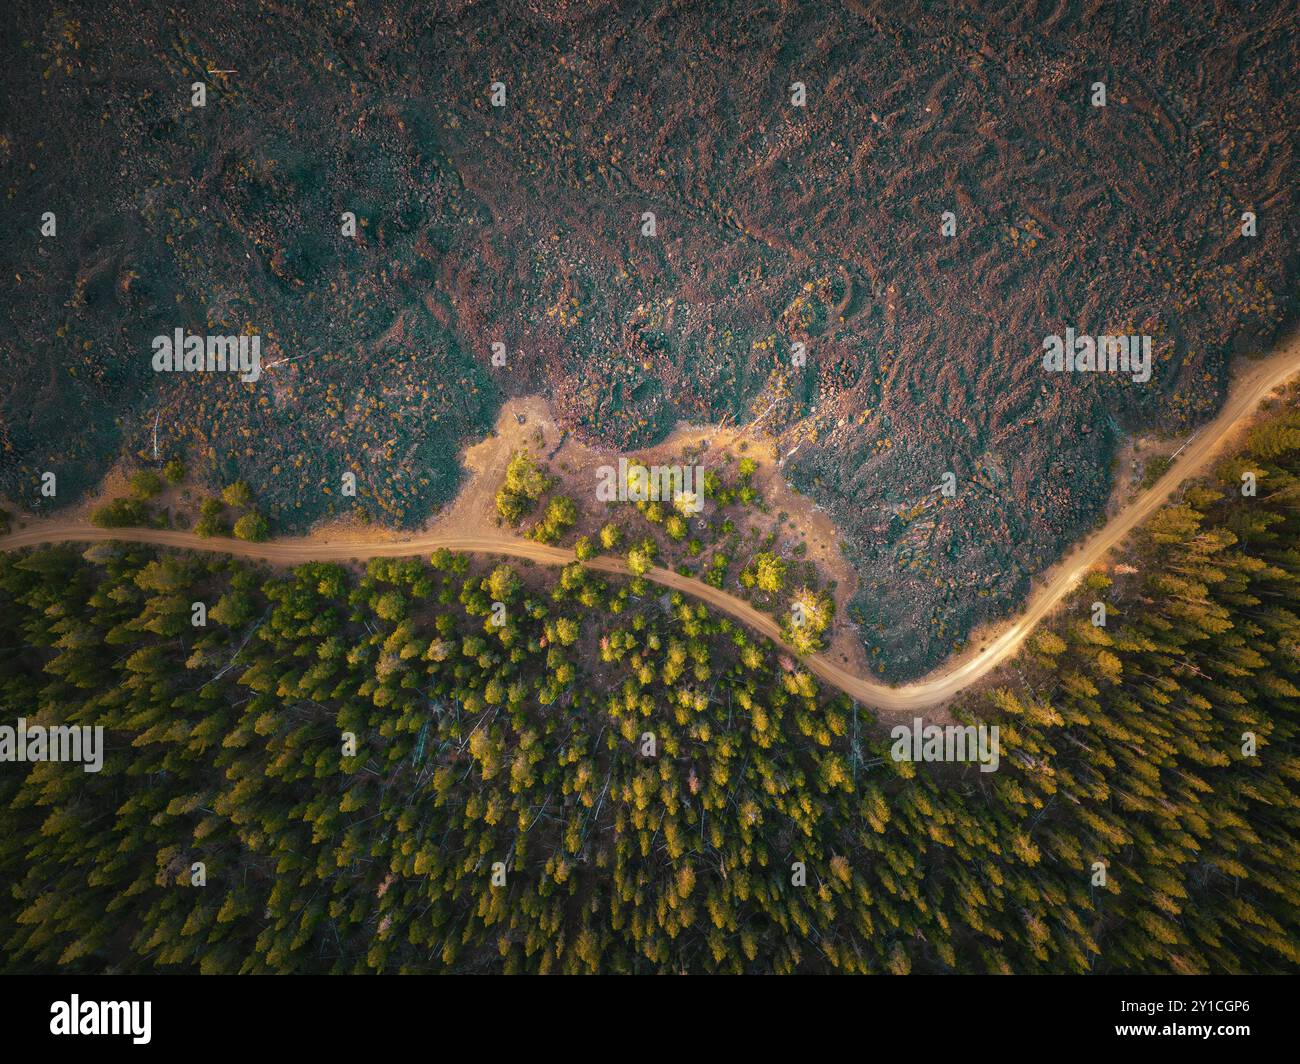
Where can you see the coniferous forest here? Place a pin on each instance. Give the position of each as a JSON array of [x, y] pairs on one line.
[[376, 772]]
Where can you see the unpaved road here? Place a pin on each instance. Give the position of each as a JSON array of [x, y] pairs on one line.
[[926, 694]]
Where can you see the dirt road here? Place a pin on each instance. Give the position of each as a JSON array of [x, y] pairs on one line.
[[934, 690]]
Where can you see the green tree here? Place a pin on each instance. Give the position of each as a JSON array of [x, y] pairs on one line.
[[560, 515], [212, 521], [503, 584], [238, 495], [145, 484], [121, 513], [769, 571], [641, 558], [252, 526]]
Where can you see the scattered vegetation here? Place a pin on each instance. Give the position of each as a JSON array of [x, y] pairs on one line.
[[124, 513]]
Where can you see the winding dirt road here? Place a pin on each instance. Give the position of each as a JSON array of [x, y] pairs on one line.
[[935, 689]]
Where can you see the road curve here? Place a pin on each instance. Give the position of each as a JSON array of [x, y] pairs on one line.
[[931, 691]]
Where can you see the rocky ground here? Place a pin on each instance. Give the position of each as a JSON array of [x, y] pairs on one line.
[[775, 224]]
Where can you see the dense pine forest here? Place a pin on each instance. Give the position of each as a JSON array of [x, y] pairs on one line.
[[449, 764]]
